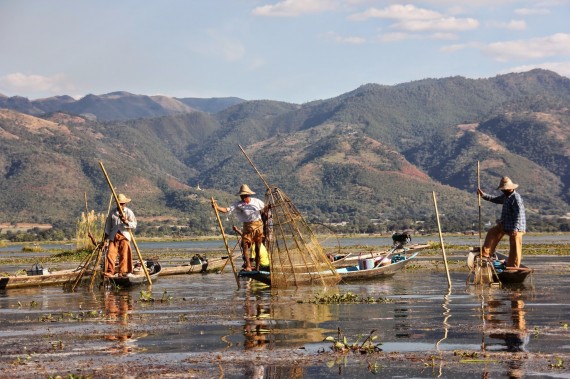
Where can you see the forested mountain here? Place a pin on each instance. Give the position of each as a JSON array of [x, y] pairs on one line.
[[371, 157]]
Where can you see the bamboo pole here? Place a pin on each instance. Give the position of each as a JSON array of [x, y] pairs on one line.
[[441, 241], [86, 263], [479, 204], [225, 241], [120, 208]]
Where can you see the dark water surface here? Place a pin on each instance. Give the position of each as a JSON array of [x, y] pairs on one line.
[[205, 326]]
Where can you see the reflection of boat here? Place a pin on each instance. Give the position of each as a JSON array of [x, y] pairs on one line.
[[494, 270], [138, 277], [198, 264], [50, 278], [359, 272], [351, 259]]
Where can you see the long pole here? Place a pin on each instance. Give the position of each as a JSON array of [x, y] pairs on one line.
[[120, 208], [225, 241], [255, 168], [479, 204], [441, 241]]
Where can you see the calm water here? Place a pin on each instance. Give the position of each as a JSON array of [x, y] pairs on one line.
[[208, 314]]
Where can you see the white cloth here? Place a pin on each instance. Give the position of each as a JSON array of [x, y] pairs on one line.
[[113, 225], [247, 212]]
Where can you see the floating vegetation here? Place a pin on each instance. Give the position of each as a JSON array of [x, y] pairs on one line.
[[347, 298], [146, 296], [340, 344], [559, 363]]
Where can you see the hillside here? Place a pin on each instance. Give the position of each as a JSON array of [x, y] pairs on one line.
[[375, 153]]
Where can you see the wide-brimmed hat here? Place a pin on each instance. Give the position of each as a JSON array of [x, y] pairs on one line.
[[245, 190], [507, 184], [123, 199]]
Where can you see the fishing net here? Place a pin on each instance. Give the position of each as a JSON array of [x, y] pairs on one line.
[[297, 258]]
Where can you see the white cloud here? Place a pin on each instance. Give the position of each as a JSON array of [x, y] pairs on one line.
[[290, 8], [511, 25], [351, 40], [448, 24], [561, 68], [535, 48], [22, 83], [413, 19], [397, 12], [531, 11]]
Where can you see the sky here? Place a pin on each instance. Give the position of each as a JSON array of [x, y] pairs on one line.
[[286, 50]]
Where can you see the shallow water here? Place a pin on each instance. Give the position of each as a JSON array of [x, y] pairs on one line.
[[200, 320]]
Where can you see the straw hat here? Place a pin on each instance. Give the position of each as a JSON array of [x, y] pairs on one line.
[[245, 190], [507, 184], [123, 199]]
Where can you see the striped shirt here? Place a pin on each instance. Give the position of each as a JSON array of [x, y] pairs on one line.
[[513, 215]]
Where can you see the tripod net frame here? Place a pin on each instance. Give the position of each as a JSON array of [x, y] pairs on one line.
[[297, 258]]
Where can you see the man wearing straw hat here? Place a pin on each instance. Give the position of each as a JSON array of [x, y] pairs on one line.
[[512, 222], [118, 239], [248, 211]]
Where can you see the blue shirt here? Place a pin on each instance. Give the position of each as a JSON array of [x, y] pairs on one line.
[[513, 215]]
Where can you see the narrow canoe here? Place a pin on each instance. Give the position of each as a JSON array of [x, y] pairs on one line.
[[52, 278], [139, 277], [355, 273], [351, 259]]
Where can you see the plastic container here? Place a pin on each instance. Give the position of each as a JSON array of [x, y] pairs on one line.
[[369, 263]]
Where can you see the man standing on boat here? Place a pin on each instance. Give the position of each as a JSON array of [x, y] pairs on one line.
[[248, 211], [512, 222], [118, 239]]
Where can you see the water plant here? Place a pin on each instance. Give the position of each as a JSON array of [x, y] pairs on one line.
[[340, 344], [559, 363], [347, 298], [146, 296]]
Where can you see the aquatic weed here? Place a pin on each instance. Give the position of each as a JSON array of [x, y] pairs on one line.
[[559, 363], [340, 343], [146, 296]]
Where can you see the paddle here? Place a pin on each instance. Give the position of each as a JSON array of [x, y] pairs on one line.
[[120, 208]]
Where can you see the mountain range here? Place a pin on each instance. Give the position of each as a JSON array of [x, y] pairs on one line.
[[372, 156]]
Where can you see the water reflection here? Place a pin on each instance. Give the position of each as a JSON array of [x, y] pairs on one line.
[[117, 308], [506, 321]]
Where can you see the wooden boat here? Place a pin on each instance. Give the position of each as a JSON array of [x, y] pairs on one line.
[[198, 264], [360, 272], [351, 273], [352, 259], [44, 279], [512, 275], [138, 277], [504, 275]]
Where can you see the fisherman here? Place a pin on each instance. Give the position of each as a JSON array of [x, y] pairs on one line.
[[248, 211], [512, 222], [118, 239]]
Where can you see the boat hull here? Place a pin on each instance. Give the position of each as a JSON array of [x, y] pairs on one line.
[[355, 273]]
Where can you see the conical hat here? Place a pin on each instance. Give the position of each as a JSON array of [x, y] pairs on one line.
[[123, 199], [507, 184], [245, 190]]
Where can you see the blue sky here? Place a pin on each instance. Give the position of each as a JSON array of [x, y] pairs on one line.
[[291, 50]]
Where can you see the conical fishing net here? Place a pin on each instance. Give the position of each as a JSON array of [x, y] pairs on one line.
[[297, 258]]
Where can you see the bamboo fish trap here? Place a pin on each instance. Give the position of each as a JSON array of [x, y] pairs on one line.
[[296, 256]]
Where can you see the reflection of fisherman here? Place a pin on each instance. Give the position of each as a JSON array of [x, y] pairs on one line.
[[117, 308], [515, 338], [248, 211], [255, 330]]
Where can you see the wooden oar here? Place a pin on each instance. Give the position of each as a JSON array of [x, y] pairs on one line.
[[225, 241], [120, 208]]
